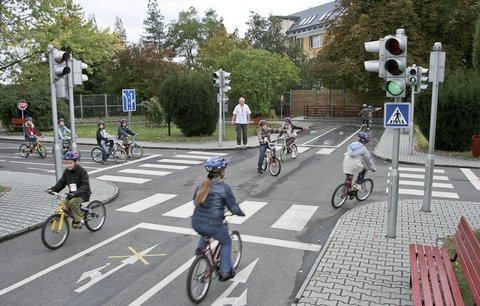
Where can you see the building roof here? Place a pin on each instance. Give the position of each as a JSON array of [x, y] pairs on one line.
[[315, 17]]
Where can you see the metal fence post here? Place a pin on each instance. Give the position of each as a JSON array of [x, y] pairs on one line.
[[81, 106], [106, 106]]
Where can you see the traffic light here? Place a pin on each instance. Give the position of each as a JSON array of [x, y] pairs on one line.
[[376, 65], [422, 79], [395, 64], [60, 66], [217, 75], [78, 77], [226, 81], [412, 78]]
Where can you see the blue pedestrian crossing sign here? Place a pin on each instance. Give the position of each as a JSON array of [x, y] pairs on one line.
[[396, 115], [129, 100]]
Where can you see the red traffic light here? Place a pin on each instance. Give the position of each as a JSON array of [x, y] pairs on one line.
[[394, 46], [61, 56]]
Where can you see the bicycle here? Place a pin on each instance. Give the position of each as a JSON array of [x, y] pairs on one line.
[[346, 190], [284, 150], [131, 148], [56, 228], [271, 160], [366, 126], [26, 149], [66, 147], [206, 266], [118, 154]]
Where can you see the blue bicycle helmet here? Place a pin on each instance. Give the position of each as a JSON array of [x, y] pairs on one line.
[[370, 107], [364, 138], [123, 120], [288, 120], [262, 122], [60, 120], [101, 122], [215, 164], [71, 156], [28, 119]]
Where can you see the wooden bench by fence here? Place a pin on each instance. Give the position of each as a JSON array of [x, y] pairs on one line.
[[16, 123], [432, 278]]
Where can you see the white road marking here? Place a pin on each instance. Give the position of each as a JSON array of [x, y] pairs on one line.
[[184, 211], [418, 169], [249, 208], [471, 177], [120, 165], [171, 167], [208, 153], [302, 149], [179, 161], [437, 194], [32, 163], [123, 179], [325, 151], [315, 138], [419, 183], [146, 203], [313, 132], [203, 157], [41, 169], [145, 172], [348, 138], [2, 160], [295, 218], [422, 176]]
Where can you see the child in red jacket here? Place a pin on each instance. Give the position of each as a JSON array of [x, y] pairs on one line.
[[30, 132]]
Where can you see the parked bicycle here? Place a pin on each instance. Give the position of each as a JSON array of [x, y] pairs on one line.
[[346, 191], [26, 149], [206, 266], [117, 153], [284, 152], [271, 161], [56, 228], [131, 148]]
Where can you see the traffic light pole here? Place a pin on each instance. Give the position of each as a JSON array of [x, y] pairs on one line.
[[53, 95], [220, 110], [411, 125], [71, 107]]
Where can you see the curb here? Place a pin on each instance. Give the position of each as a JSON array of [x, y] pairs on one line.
[[38, 225]]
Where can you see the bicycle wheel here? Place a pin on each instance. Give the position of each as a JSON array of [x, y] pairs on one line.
[[236, 248], [120, 156], [136, 151], [198, 279], [294, 151], [340, 196], [97, 154], [274, 166], [95, 216], [41, 151], [283, 153], [366, 191], [52, 236], [24, 151]]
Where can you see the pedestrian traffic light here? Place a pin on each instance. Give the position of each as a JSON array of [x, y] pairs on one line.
[[422, 79], [78, 77], [60, 66], [217, 75], [376, 65], [226, 81], [412, 78], [395, 64]]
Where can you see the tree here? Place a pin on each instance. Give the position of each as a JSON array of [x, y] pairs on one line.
[[189, 98], [119, 30], [259, 76], [154, 26], [476, 46], [267, 34]]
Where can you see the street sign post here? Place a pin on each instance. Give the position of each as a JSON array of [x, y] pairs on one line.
[[129, 102], [396, 115]]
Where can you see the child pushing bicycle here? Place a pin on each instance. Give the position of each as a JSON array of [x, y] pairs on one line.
[[75, 177]]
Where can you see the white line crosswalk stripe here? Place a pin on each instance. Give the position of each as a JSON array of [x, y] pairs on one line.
[[418, 183], [123, 179], [170, 167], [325, 151], [184, 211], [146, 203], [204, 157], [411, 169], [302, 149], [436, 194], [145, 172], [208, 153], [295, 218], [180, 161], [249, 208], [471, 177]]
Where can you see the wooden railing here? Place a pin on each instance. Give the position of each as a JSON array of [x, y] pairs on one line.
[[331, 111]]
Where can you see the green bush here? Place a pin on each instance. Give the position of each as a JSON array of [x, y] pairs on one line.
[[154, 111], [458, 113], [189, 98], [39, 105]]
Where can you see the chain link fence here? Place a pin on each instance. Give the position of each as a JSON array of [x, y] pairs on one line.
[[101, 105]]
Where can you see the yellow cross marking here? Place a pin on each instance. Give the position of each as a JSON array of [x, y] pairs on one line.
[[138, 255]]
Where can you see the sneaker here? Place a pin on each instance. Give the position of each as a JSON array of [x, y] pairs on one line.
[[260, 170], [226, 276], [103, 162], [78, 225], [238, 146], [357, 186]]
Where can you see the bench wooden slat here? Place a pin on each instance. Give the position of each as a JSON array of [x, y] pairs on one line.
[[442, 273], [417, 293], [427, 297], [465, 258], [473, 245], [451, 277], [432, 272]]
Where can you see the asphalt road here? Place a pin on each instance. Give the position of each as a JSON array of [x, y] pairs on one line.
[[289, 218]]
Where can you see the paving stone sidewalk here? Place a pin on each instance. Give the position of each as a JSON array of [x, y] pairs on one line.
[[26, 205], [360, 266], [384, 147]]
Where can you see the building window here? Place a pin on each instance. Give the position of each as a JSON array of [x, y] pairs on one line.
[[316, 41], [300, 42]]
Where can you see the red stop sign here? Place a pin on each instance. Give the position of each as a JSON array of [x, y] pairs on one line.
[[22, 105]]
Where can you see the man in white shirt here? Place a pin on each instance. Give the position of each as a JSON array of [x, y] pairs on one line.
[[241, 119]]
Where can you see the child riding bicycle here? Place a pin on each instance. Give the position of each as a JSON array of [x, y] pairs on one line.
[[104, 139], [31, 133], [264, 139], [358, 160], [211, 198], [76, 179], [289, 129], [124, 132]]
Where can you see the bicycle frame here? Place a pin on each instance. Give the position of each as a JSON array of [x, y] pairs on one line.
[[61, 211]]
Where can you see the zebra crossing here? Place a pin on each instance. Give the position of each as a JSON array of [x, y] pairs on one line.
[[412, 183], [160, 167], [295, 218]]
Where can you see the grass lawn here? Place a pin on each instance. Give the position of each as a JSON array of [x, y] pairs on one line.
[[4, 188], [462, 282]]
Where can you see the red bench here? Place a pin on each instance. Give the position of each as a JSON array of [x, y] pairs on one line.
[[256, 122], [17, 123], [432, 278]]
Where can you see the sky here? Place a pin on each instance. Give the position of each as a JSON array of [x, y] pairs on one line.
[[234, 13]]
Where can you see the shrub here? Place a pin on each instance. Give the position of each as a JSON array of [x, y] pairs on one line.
[[39, 104], [189, 98], [458, 111], [154, 111]]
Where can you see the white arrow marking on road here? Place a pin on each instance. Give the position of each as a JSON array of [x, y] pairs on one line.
[[95, 273], [341, 132], [327, 142], [129, 261], [241, 277]]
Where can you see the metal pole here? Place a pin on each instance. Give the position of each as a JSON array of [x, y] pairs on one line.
[[81, 106], [72, 106], [106, 106], [129, 117], [411, 126], [430, 164], [53, 95], [220, 109], [392, 208]]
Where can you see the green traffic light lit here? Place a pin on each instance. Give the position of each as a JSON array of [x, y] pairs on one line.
[[394, 88]]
